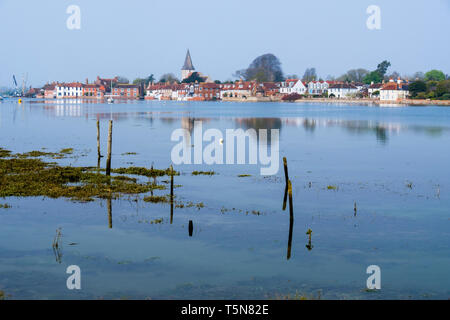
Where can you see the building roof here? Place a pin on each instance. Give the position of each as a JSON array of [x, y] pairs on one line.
[[342, 86], [126, 86], [188, 62]]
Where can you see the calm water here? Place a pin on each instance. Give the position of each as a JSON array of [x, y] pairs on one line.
[[370, 153]]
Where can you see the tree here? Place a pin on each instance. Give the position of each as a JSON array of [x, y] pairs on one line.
[[194, 77], [265, 68], [168, 77], [394, 75], [374, 77], [382, 68], [354, 75], [434, 75], [292, 76], [310, 75], [418, 75], [416, 87], [121, 79], [146, 81], [442, 88]]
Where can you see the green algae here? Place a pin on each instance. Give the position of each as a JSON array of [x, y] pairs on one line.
[[5, 206], [27, 176], [157, 199], [244, 175], [204, 173], [140, 171]]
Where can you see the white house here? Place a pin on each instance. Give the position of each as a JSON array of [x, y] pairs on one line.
[[292, 86], [374, 87], [394, 91], [316, 88], [342, 90], [69, 90]]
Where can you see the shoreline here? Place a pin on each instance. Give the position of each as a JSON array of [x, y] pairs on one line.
[[404, 102]]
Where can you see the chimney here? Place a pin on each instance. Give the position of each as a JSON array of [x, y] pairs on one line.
[[399, 81], [391, 80], [371, 82], [87, 81]]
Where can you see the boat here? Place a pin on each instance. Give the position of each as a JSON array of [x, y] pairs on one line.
[[1, 98]]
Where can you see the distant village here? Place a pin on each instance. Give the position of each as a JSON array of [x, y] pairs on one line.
[[203, 88]]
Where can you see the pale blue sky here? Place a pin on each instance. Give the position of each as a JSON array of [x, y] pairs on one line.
[[136, 37]]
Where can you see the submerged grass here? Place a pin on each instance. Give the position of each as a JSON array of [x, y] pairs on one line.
[[23, 175], [204, 173], [140, 171], [5, 206]]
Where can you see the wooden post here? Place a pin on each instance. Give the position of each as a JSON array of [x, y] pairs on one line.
[[191, 228], [291, 217], [108, 156], [355, 209], [291, 206], [171, 194], [286, 175], [98, 140], [171, 183]]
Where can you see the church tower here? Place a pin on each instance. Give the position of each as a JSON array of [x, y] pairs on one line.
[[188, 67]]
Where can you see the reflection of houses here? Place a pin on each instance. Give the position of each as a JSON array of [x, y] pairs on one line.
[[292, 86], [342, 90], [394, 91]]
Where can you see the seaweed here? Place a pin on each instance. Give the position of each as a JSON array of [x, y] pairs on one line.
[[33, 177]]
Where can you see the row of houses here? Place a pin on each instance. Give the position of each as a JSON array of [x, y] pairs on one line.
[[245, 89], [100, 88], [206, 91]]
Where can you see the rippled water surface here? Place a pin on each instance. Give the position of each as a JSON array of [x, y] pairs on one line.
[[392, 161]]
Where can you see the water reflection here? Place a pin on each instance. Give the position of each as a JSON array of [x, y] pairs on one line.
[[109, 207]]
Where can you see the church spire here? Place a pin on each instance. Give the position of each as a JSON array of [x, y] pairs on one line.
[[188, 62]]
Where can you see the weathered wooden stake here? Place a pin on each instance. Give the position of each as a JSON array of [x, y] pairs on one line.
[[286, 175], [171, 183], [355, 209], [191, 228], [291, 217], [108, 156], [98, 140], [291, 206], [171, 194]]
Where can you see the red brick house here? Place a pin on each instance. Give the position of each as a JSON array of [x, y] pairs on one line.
[[126, 91]]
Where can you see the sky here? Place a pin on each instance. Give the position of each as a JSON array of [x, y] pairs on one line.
[[136, 38]]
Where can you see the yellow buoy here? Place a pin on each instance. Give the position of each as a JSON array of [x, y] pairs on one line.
[[20, 100]]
